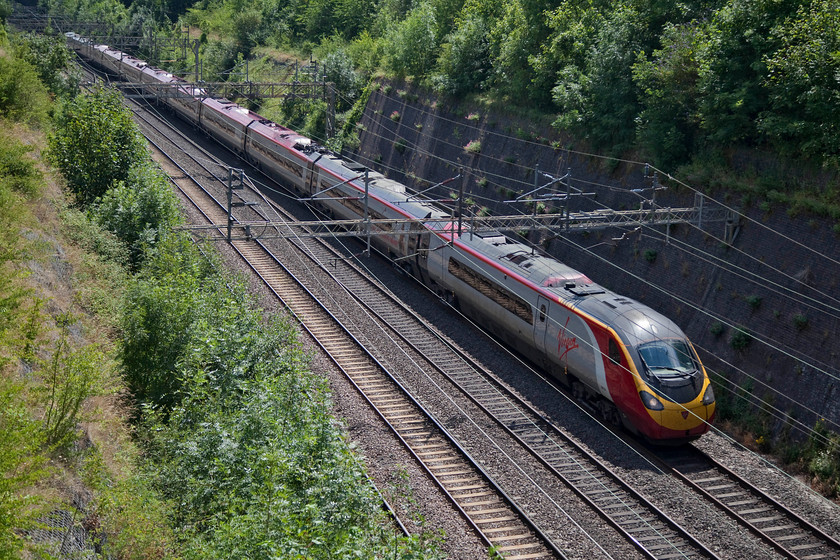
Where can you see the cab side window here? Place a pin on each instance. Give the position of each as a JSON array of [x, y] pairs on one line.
[[614, 352]]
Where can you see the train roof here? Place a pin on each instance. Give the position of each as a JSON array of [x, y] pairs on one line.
[[530, 263], [636, 322]]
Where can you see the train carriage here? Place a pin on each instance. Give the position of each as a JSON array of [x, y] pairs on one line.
[[279, 152], [226, 121]]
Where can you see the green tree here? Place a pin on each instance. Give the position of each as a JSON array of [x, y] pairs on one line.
[[410, 46], [733, 66], [95, 143], [804, 113], [601, 100], [668, 125], [338, 69], [464, 63], [161, 316], [516, 38]]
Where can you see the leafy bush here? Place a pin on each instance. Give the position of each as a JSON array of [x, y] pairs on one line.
[[138, 209], [18, 172], [464, 63], [237, 431], [18, 177], [22, 95], [163, 311], [740, 339], [49, 55], [218, 58], [338, 69], [70, 378], [410, 45], [473, 147], [95, 143]]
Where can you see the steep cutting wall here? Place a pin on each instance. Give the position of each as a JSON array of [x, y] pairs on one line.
[[778, 280]]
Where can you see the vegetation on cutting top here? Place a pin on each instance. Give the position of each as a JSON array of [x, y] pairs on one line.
[[232, 441], [669, 79]]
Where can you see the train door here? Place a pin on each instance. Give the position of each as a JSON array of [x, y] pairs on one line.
[[541, 324], [417, 251]]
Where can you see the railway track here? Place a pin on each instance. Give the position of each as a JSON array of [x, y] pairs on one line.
[[772, 521], [652, 532]]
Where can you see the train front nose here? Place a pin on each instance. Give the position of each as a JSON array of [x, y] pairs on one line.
[[689, 419], [676, 421]]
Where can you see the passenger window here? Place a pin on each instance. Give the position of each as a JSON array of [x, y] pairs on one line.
[[542, 314], [615, 352]]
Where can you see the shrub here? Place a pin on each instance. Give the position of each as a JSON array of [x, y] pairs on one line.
[[70, 378], [138, 209], [163, 310], [21, 465], [717, 328], [95, 143], [53, 61], [23, 97], [410, 44], [17, 168], [473, 147], [740, 339], [338, 69]]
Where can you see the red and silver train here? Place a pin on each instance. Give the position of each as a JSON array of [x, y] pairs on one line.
[[620, 357]]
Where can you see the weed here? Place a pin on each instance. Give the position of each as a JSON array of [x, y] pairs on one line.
[[740, 339], [650, 255], [473, 147]]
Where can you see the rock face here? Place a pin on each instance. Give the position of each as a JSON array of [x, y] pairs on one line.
[[763, 311]]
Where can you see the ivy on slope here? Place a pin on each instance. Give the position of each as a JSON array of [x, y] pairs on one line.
[[240, 439]]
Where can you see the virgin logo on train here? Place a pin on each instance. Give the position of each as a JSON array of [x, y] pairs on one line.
[[564, 341]]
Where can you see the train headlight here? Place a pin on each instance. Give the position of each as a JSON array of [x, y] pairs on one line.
[[709, 395], [651, 402]]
